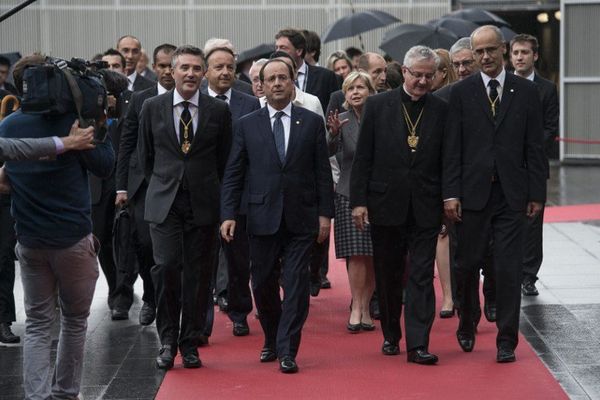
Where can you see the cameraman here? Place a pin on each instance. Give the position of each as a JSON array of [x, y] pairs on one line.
[[55, 247]]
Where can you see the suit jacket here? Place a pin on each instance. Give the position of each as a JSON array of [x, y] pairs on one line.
[[297, 191], [239, 85], [240, 103], [149, 74], [321, 82], [476, 144], [142, 83], [129, 173], [166, 167], [386, 177], [550, 109], [444, 92], [27, 149]]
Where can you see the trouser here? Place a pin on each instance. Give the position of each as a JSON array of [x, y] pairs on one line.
[[7, 265], [142, 243], [73, 271], [533, 253]]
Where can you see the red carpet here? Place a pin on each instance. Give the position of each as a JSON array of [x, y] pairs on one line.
[[338, 365], [582, 212]]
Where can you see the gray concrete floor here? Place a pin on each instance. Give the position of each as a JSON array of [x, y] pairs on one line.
[[562, 323]]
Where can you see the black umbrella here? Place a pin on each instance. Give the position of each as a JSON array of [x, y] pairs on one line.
[[357, 23], [261, 51], [399, 40], [508, 33], [478, 16], [460, 27]]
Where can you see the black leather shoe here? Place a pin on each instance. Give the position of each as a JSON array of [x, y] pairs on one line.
[[529, 289], [267, 355], [353, 328], [241, 328], [190, 359], [315, 288], [367, 327], [223, 303], [119, 314], [325, 284], [505, 355], [6, 335], [288, 365], [390, 349], [421, 356], [466, 341], [489, 310], [147, 314], [166, 357]]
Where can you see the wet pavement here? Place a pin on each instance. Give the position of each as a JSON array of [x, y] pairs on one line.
[[562, 324]]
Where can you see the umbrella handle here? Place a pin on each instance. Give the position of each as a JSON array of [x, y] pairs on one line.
[[4, 105]]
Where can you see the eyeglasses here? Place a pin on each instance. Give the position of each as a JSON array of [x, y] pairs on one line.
[[419, 75], [488, 50], [464, 64]]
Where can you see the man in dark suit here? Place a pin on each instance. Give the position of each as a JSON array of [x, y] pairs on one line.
[[523, 55], [396, 187], [282, 153], [102, 194], [131, 48], [233, 273], [494, 177], [184, 142], [315, 80], [131, 184]]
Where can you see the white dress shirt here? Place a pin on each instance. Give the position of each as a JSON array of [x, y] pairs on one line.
[[500, 78], [302, 74], [161, 89], [178, 109], [286, 119], [131, 79]]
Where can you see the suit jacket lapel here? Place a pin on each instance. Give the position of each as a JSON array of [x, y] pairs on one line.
[[401, 132], [204, 108], [170, 121], [508, 92], [481, 97], [265, 129]]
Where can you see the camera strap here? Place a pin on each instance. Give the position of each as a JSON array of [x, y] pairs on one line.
[[77, 96]]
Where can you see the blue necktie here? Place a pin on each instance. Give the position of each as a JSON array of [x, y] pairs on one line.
[[279, 135]]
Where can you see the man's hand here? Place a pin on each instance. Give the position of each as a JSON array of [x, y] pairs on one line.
[[360, 216], [121, 199], [79, 139], [4, 183], [534, 208], [453, 210], [324, 228], [227, 230]]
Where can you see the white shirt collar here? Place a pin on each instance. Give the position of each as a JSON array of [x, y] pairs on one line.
[[531, 76], [131, 78], [500, 78], [161, 88], [303, 68], [212, 93], [287, 110], [177, 99]]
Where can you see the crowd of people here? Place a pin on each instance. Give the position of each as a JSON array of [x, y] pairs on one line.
[[230, 180]]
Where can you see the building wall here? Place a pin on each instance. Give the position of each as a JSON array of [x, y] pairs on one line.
[[68, 28]]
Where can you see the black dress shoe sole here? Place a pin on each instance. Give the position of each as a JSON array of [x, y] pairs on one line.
[[192, 365], [10, 340], [267, 355], [466, 343], [164, 365], [506, 357], [119, 315], [446, 314], [390, 350], [423, 361], [288, 367]]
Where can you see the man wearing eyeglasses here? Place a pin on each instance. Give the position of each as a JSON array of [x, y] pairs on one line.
[[395, 186], [494, 178], [463, 63]]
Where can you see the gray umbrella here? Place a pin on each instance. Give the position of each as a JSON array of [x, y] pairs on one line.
[[357, 23], [460, 27], [507, 33], [261, 51], [397, 41], [478, 16]]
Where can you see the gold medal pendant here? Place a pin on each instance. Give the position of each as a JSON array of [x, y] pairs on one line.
[[413, 141], [185, 147]]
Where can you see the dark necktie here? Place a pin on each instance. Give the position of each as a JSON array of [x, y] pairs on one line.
[[279, 135], [222, 97], [186, 128], [494, 99]]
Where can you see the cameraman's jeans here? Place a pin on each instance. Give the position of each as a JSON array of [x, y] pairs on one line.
[[71, 273]]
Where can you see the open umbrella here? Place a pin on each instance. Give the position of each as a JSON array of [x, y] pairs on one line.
[[460, 27], [357, 23], [478, 16], [397, 41], [261, 51], [508, 33]]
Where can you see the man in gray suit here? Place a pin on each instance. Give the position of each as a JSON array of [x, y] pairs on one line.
[[184, 140]]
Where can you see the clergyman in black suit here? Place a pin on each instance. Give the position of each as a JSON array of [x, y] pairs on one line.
[[131, 182], [523, 55], [131, 48], [396, 187], [281, 151], [233, 273], [184, 141], [494, 178]]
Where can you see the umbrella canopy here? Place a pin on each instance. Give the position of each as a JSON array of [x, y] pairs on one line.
[[508, 33], [261, 51], [354, 24], [478, 16], [460, 27], [399, 40]]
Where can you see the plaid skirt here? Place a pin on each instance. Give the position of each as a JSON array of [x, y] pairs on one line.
[[349, 241]]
